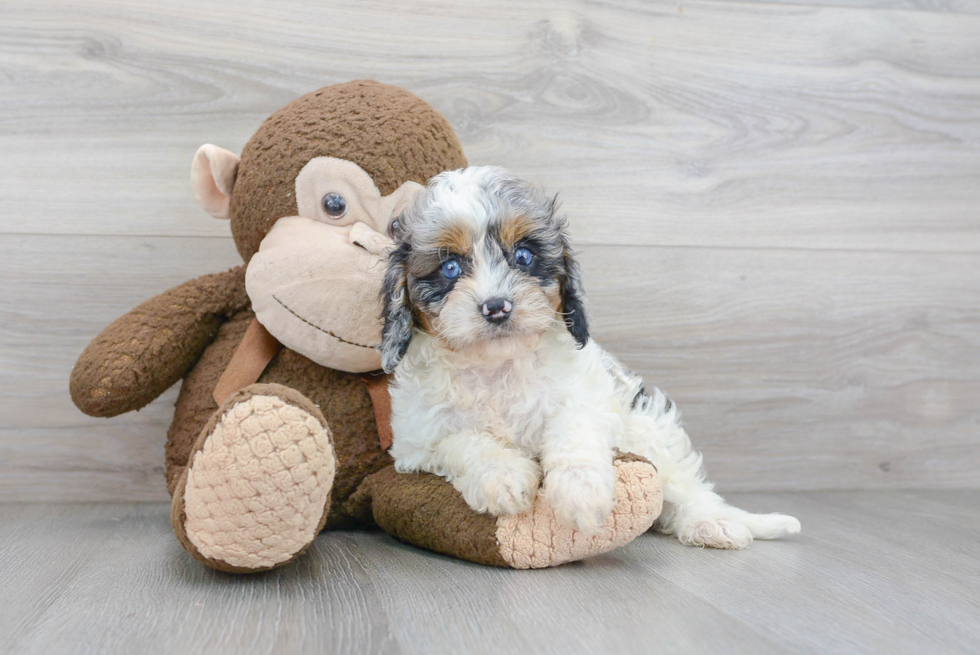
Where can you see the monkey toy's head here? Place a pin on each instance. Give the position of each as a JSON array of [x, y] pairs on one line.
[[312, 201]]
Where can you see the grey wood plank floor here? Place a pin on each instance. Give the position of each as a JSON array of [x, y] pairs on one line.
[[894, 572]]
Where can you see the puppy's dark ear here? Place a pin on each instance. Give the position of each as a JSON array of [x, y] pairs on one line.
[[571, 298], [397, 310]]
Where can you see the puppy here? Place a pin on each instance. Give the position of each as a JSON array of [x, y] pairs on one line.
[[497, 385]]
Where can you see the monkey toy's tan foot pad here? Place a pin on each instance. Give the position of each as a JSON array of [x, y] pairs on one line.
[[427, 511], [536, 539], [257, 485]]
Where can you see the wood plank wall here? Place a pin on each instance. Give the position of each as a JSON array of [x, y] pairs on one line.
[[777, 204]]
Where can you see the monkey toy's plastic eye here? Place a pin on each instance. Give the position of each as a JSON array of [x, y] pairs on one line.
[[393, 228], [523, 257], [450, 269], [334, 205]]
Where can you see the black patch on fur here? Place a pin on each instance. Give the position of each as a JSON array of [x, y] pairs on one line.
[[640, 395], [433, 288], [571, 299], [545, 268], [396, 333]]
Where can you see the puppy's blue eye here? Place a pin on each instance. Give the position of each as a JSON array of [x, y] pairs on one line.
[[523, 257], [450, 269]]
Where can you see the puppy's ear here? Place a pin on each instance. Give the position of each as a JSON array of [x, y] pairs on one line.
[[397, 312], [571, 298]]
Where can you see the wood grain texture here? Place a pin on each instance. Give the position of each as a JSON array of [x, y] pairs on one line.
[[715, 123], [793, 369], [85, 578], [945, 6], [48, 449], [777, 205]]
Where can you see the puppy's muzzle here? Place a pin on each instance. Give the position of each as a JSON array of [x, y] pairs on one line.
[[497, 310]]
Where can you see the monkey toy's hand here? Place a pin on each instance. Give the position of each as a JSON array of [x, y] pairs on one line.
[[142, 353]]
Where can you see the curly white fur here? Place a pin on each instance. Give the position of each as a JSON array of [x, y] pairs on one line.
[[494, 412]]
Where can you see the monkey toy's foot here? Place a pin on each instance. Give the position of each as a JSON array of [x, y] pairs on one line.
[[427, 511], [257, 485]]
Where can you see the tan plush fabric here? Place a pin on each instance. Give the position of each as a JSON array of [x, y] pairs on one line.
[[318, 293], [366, 205], [256, 491], [213, 174], [536, 540], [315, 283]]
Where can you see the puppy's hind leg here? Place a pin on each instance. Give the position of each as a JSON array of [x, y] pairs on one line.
[[692, 510], [700, 517]]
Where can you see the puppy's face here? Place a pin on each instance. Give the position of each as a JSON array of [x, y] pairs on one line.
[[482, 262]]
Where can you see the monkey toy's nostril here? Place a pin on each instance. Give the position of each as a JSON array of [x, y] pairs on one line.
[[497, 310]]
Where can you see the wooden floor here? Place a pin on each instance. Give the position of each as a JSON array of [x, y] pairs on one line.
[[873, 572]]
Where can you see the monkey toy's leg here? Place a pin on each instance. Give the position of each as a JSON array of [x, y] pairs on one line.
[[425, 510], [256, 489]]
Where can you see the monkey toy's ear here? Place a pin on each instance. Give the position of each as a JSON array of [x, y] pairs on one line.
[[213, 176], [397, 313]]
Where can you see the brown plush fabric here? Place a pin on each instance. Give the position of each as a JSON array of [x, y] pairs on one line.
[[620, 456], [390, 133], [144, 352], [426, 511]]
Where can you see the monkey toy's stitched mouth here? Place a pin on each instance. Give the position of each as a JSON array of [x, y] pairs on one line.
[[318, 293], [317, 327]]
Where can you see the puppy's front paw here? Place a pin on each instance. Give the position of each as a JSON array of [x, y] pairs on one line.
[[504, 486], [582, 496]]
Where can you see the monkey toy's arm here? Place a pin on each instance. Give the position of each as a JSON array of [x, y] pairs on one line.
[[142, 353]]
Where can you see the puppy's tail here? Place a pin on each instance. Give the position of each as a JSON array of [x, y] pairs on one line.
[[769, 526]]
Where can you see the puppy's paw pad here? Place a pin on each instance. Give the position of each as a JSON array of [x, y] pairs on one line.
[[715, 533], [582, 497]]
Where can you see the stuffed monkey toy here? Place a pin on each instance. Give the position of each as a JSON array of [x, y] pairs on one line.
[[280, 429]]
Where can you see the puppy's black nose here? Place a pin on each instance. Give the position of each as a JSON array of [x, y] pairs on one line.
[[497, 310]]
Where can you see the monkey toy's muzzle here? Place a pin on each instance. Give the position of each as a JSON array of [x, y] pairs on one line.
[[316, 288]]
